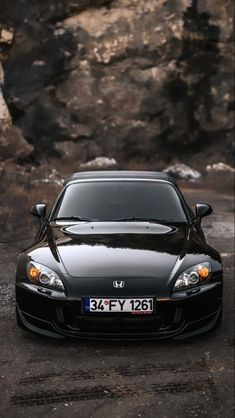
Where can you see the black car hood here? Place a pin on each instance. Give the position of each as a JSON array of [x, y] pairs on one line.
[[118, 249]]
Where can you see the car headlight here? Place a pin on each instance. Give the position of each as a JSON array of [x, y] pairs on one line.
[[196, 275], [41, 275]]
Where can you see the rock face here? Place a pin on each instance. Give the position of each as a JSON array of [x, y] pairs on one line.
[[12, 144], [5, 117], [121, 78]]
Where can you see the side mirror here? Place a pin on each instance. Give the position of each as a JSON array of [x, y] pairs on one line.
[[202, 209], [39, 210]]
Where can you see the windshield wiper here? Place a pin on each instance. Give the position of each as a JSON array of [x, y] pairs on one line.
[[74, 218], [138, 218]]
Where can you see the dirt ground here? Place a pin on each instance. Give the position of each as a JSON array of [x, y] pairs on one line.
[[41, 377]]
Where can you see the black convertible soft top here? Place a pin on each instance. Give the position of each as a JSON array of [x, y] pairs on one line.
[[83, 175]]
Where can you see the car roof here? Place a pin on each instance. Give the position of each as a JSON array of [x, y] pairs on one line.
[[89, 175]]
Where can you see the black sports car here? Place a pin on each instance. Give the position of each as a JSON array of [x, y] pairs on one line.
[[120, 256]]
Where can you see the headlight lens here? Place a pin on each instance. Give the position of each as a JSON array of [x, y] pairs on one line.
[[41, 275], [196, 275]]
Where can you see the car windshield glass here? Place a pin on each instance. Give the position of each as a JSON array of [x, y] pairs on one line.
[[121, 200]]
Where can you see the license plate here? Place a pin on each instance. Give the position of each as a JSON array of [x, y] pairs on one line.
[[107, 305]]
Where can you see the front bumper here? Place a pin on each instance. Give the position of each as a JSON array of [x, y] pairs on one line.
[[178, 317]]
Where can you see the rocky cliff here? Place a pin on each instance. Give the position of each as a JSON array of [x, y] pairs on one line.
[[148, 80]]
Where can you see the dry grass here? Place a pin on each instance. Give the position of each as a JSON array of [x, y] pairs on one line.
[[16, 201]]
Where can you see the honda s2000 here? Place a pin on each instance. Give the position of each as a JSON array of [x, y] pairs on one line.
[[120, 256]]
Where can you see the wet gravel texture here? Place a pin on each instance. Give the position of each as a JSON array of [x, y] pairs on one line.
[[41, 377]]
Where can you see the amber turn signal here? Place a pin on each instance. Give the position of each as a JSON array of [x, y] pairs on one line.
[[203, 272], [34, 272]]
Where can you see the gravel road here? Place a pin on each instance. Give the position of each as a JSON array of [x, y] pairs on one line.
[[46, 378]]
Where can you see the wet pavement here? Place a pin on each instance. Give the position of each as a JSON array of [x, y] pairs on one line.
[[43, 377]]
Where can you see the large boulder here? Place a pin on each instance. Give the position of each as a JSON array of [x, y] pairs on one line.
[[100, 163], [181, 171]]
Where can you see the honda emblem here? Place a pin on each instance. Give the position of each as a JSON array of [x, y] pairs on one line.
[[118, 284]]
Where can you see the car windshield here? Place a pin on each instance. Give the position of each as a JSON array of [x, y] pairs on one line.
[[119, 200]]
